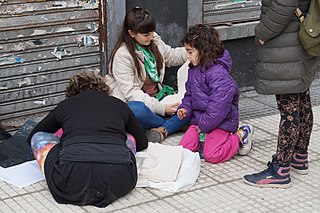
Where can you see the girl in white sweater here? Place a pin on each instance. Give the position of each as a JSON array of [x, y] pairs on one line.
[[136, 71]]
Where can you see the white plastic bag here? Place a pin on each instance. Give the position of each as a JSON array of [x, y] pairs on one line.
[[187, 175], [160, 162]]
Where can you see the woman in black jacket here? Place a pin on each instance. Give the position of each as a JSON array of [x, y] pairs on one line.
[[91, 164], [285, 70]]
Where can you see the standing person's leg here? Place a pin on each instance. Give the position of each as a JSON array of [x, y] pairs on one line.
[[277, 174], [190, 140], [220, 146], [289, 127], [41, 144], [299, 161]]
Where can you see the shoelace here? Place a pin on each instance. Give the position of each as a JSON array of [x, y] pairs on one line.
[[266, 172]]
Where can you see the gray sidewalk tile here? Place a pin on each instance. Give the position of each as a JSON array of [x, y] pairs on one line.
[[219, 188]]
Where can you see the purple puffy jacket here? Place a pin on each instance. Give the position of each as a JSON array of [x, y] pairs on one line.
[[212, 97]]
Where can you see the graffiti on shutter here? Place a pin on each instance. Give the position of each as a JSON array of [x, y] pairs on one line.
[[42, 44]]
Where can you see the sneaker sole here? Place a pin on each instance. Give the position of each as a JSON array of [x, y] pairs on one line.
[[245, 153], [279, 186], [299, 171]]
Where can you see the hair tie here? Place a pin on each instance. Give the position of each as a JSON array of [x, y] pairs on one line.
[[194, 37]]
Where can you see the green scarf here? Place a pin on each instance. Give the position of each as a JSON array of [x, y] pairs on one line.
[[151, 69], [166, 90], [150, 64]]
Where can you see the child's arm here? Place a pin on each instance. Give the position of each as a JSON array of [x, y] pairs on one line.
[[219, 103]]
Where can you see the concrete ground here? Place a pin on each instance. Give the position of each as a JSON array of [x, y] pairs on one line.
[[219, 188]]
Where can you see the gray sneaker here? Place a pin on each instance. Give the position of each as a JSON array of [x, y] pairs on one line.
[[153, 136]]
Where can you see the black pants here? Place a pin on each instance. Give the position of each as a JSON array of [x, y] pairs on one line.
[[85, 183], [295, 125]]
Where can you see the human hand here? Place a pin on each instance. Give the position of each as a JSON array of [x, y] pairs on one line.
[[261, 41], [198, 129], [171, 109], [182, 113]]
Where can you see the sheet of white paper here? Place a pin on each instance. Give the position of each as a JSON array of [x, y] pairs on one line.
[[22, 175]]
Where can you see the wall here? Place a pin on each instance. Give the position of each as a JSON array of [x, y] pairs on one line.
[[33, 33], [242, 51], [171, 19]]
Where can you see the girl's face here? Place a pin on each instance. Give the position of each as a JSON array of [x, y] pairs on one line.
[[192, 54], [142, 38]]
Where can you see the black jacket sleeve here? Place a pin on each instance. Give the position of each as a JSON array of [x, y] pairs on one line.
[[47, 124]]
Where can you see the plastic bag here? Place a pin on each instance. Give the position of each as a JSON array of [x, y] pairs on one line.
[[15, 150], [187, 175]]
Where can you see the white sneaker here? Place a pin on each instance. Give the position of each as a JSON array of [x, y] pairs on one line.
[[245, 133]]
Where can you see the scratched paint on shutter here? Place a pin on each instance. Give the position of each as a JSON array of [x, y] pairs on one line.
[[43, 43]]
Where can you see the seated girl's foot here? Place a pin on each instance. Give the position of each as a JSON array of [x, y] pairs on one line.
[[245, 133], [153, 136], [162, 132]]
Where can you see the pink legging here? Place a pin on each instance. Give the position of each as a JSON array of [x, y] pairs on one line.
[[219, 145]]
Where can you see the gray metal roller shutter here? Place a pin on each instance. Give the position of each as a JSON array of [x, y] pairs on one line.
[[32, 34], [233, 18]]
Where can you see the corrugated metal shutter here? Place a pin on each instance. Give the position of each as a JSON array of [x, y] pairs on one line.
[[233, 18], [32, 35]]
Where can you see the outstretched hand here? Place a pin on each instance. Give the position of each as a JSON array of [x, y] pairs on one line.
[[182, 113], [171, 109]]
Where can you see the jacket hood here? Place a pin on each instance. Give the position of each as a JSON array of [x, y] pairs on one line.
[[226, 60]]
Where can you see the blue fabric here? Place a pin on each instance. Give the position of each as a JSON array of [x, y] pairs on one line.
[[148, 119], [41, 139]]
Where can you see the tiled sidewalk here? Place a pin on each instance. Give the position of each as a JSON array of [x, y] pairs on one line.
[[219, 188]]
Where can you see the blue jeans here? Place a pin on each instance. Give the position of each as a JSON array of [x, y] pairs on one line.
[[149, 119]]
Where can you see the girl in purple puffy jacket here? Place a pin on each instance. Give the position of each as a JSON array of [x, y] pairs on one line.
[[211, 99]]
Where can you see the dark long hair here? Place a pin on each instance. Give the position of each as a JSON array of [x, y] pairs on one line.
[[206, 40], [138, 20], [86, 81]]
